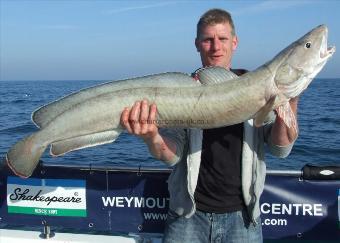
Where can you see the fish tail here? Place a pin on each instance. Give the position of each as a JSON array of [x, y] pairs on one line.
[[24, 156]]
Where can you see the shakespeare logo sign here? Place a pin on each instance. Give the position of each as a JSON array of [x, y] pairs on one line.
[[52, 197]]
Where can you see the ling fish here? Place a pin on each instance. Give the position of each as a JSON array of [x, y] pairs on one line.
[[91, 116]]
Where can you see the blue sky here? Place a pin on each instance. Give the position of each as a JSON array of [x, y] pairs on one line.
[[107, 40]]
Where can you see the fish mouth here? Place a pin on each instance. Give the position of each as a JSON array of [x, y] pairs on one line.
[[326, 52]]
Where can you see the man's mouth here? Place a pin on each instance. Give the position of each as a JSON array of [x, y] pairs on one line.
[[216, 56]]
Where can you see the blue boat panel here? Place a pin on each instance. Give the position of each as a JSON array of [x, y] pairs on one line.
[[137, 201]]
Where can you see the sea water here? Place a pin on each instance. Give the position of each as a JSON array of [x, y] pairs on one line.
[[318, 117]]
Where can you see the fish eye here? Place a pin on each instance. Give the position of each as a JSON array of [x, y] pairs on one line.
[[308, 45]]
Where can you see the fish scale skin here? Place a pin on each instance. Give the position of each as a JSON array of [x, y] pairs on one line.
[[220, 104]]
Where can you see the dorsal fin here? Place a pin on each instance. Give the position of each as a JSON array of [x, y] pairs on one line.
[[47, 113], [214, 75]]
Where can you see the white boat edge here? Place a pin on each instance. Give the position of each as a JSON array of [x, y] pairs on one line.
[[28, 236]]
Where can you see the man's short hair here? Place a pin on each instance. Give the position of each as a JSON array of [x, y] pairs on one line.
[[215, 16]]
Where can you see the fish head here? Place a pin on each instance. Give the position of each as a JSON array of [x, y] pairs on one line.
[[300, 62]]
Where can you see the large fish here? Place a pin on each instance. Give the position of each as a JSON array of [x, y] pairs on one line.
[[92, 116]]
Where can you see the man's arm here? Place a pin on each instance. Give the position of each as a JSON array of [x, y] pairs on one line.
[[140, 121]]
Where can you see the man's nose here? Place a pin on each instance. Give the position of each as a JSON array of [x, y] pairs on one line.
[[216, 45]]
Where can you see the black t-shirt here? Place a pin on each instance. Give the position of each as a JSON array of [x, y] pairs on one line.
[[219, 182]]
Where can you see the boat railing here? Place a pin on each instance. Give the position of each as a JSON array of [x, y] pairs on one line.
[[91, 198]]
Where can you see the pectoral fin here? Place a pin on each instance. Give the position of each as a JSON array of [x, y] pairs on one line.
[[262, 114], [287, 115], [85, 141]]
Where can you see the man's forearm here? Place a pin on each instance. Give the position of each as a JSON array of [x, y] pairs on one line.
[[162, 148]]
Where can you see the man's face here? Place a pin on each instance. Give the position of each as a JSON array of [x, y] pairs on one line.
[[216, 45]]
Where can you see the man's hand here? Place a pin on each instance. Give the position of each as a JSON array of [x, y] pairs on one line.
[[140, 120]]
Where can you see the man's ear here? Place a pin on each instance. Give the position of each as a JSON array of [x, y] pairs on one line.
[[235, 42], [197, 45]]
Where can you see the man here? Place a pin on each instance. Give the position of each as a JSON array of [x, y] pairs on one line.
[[218, 174]]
